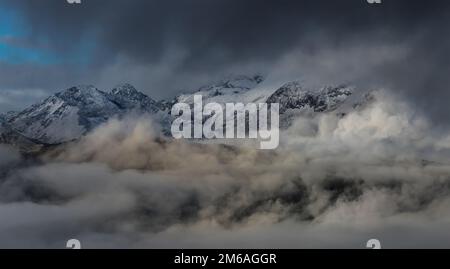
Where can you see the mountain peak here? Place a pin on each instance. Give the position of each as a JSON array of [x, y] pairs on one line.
[[124, 89], [81, 95], [225, 90], [71, 113], [236, 82], [80, 90], [126, 96], [293, 95]]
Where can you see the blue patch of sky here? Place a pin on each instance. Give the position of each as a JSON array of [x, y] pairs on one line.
[[13, 28]]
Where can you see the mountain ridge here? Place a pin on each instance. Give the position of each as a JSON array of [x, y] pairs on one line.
[[72, 113]]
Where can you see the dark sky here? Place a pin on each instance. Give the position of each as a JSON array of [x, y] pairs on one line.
[[164, 47]]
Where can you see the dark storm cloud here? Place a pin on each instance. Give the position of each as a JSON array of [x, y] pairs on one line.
[[240, 30], [168, 46]]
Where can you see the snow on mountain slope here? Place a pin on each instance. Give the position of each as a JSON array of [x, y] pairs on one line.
[[5, 117], [69, 114], [57, 118], [294, 96], [11, 137], [291, 95], [228, 90], [127, 97]]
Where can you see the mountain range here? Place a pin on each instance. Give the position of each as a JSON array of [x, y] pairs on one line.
[[70, 114]]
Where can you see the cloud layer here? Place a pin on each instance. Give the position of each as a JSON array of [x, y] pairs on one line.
[[334, 182]]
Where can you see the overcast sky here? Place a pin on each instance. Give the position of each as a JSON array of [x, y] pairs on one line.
[[382, 171], [164, 47]]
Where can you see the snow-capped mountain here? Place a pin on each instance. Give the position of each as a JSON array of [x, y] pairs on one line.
[[70, 114], [231, 89], [126, 97], [294, 96]]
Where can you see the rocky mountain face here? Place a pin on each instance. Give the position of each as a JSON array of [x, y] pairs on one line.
[[294, 96], [127, 98], [233, 89], [12, 137], [70, 114]]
